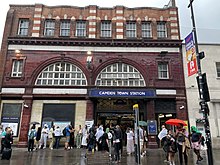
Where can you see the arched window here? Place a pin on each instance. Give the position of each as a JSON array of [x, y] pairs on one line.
[[61, 74], [120, 74]]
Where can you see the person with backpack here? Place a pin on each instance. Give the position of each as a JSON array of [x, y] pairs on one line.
[[196, 139], [66, 133], [171, 147], [31, 137]]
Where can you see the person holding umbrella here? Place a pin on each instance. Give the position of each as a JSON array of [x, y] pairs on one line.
[[162, 136]]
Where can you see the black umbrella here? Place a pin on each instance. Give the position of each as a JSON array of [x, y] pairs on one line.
[[34, 122]]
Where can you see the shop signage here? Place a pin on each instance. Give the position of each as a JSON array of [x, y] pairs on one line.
[[191, 55], [121, 93], [152, 127]]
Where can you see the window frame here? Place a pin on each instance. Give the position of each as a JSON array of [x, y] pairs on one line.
[[17, 72], [81, 28], [65, 29], [49, 30], [23, 31], [217, 64], [146, 30], [161, 71], [106, 32], [130, 31], [161, 29]]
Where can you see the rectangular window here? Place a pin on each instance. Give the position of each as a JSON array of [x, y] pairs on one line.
[[163, 70], [131, 29], [49, 28], [23, 27], [218, 69], [161, 30], [80, 28], [146, 30], [106, 29], [17, 68], [65, 28]]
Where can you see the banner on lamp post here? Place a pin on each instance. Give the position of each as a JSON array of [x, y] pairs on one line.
[[191, 55]]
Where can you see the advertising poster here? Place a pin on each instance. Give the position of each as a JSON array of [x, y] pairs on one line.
[[191, 55], [152, 127], [61, 124]]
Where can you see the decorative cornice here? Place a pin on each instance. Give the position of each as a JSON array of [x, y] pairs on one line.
[[94, 42]]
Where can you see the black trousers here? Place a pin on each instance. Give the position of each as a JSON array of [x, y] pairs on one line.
[[117, 148], [181, 154], [30, 144]]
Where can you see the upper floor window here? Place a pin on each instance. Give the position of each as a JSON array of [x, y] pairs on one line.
[[23, 27], [146, 30], [65, 28], [163, 72], [120, 74], [106, 29], [49, 28], [218, 69], [161, 30], [131, 29], [80, 28], [62, 74], [17, 67]]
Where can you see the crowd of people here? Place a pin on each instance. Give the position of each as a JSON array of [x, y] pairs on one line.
[[181, 142]]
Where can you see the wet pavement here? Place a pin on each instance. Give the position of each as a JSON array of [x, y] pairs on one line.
[[21, 156]]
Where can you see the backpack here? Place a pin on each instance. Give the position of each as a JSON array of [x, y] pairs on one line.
[[64, 131], [32, 135]]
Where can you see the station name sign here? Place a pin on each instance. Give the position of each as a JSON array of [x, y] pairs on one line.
[[121, 93]]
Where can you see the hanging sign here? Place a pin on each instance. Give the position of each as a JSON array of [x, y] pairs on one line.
[[191, 55]]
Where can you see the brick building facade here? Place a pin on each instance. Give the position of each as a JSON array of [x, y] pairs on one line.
[[65, 64]]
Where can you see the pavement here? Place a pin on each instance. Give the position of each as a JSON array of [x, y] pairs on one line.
[[20, 156]]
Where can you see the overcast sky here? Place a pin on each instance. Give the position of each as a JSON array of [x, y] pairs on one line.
[[206, 13]]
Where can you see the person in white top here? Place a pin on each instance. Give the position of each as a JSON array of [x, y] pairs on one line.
[[51, 137], [57, 134], [84, 136], [130, 141], [44, 135]]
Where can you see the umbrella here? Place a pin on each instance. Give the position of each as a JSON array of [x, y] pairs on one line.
[[34, 122], [142, 123], [176, 122]]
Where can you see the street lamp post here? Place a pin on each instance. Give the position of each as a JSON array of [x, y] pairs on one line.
[[203, 96]]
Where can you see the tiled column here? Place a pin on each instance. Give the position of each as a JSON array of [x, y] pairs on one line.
[[152, 140], [89, 110], [92, 21], [37, 20], [181, 108], [119, 22], [25, 121], [174, 24]]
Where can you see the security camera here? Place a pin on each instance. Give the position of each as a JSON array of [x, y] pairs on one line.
[[181, 107], [25, 105]]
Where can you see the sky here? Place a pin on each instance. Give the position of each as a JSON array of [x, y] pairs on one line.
[[206, 13]]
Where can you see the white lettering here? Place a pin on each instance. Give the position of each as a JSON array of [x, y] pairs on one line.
[[108, 93], [137, 93]]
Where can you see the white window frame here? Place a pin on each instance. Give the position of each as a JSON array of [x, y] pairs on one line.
[[161, 30], [80, 28], [146, 30], [49, 29], [23, 27], [61, 74], [65, 28], [106, 29], [163, 70], [217, 69], [131, 29], [120, 74], [17, 68]]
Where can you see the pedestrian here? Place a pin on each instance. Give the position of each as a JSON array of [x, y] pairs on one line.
[[162, 136], [51, 137], [67, 135], [72, 137], [84, 136], [109, 141], [1, 130], [31, 137], [196, 140], [57, 135], [183, 144], [116, 144], [91, 139], [38, 136], [98, 136], [44, 136], [3, 138], [8, 141], [171, 147], [79, 137], [130, 141], [104, 142]]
